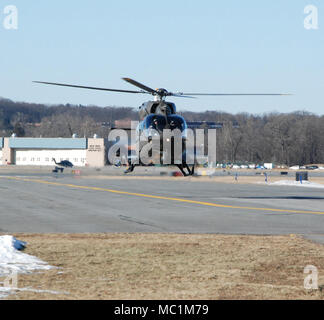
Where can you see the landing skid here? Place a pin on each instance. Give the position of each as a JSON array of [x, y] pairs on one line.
[[57, 169], [130, 169], [183, 167]]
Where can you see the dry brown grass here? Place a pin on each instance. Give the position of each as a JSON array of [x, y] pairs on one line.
[[258, 179], [171, 266]]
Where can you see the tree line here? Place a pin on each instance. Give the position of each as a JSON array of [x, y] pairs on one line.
[[282, 138]]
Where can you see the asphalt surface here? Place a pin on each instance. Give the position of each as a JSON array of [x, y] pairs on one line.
[[46, 203]]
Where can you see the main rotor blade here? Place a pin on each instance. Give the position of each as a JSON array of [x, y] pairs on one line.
[[233, 94], [92, 88], [139, 85], [180, 96]]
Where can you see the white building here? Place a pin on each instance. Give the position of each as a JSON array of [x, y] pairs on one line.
[[41, 151]]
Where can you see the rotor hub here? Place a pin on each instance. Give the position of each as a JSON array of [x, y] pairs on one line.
[[162, 92]]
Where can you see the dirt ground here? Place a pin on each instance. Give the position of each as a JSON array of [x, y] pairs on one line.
[[171, 266]]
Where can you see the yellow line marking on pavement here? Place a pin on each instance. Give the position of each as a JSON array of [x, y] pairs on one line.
[[210, 204]]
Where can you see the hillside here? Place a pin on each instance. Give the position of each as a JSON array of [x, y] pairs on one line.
[[294, 138]]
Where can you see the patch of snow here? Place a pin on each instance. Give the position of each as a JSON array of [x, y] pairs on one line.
[[297, 184], [13, 261], [5, 292]]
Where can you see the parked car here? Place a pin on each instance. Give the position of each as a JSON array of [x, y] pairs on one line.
[[311, 167]]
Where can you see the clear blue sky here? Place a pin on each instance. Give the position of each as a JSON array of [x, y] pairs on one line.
[[205, 46]]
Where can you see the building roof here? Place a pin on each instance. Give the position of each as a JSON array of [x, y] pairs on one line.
[[48, 143]]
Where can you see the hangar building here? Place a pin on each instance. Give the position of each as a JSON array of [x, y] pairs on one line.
[[41, 151]]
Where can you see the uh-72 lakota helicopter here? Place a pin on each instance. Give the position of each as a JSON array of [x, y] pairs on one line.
[[160, 114]]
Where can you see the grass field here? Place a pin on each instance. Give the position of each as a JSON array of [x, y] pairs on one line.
[[241, 179], [171, 266]]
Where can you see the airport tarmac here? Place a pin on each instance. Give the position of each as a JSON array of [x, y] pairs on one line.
[[40, 202]]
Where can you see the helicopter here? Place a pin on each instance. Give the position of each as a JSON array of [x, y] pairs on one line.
[[159, 114], [63, 164]]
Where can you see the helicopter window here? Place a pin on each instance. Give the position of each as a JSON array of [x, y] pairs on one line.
[[177, 123], [154, 108], [158, 123], [155, 122], [169, 110]]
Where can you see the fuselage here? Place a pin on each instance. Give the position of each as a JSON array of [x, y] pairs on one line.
[[160, 123], [156, 116]]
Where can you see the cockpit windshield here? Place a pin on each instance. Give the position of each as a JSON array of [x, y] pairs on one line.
[[177, 122], [158, 122]]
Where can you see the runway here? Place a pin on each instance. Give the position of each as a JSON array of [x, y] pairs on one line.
[[66, 204]]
